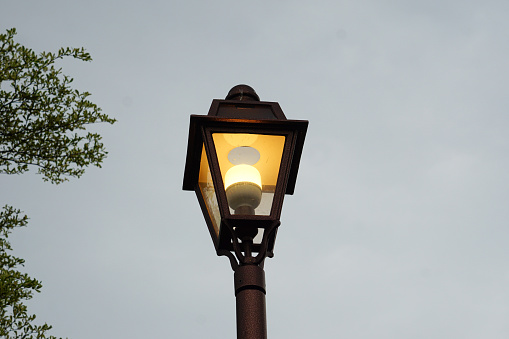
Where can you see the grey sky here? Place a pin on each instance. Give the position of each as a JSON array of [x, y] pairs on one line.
[[399, 223]]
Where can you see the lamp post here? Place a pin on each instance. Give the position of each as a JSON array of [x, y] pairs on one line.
[[242, 158]]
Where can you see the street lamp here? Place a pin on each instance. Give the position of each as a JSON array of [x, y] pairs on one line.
[[242, 158]]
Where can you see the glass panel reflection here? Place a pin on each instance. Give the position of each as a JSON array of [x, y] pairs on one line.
[[208, 192]]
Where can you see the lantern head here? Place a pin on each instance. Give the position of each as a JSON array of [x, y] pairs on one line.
[[242, 158]]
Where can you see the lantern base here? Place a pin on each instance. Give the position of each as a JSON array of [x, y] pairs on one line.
[[245, 210], [244, 194]]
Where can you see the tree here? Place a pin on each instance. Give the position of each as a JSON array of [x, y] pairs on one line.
[[41, 115], [15, 287], [43, 124]]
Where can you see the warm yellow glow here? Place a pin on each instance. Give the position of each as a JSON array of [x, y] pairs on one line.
[[242, 173], [240, 139], [270, 148]]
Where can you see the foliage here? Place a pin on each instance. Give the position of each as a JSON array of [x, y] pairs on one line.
[[41, 115], [43, 125], [15, 287]]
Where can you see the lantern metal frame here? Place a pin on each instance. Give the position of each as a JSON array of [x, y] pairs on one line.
[[243, 116]]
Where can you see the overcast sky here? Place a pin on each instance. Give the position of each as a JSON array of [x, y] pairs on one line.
[[398, 227]]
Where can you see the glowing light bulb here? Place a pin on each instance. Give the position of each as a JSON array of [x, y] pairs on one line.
[[243, 184]]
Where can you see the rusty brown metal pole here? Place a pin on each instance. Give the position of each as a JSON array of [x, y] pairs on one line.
[[250, 295]]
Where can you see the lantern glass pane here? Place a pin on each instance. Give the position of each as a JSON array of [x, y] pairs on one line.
[[208, 192], [249, 165]]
